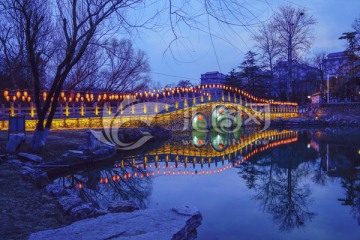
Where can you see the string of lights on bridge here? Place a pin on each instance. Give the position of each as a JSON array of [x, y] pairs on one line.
[[168, 170], [25, 96]]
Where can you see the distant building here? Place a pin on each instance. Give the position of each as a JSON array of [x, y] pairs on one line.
[[335, 63], [304, 79], [316, 98], [213, 78], [348, 81]]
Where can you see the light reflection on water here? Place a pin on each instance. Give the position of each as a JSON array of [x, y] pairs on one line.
[[273, 184]]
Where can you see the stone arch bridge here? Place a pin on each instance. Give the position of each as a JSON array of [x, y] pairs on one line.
[[172, 108]]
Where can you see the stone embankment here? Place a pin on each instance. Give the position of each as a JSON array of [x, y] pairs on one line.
[[177, 223]]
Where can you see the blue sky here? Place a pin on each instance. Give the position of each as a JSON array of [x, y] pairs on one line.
[[196, 54]]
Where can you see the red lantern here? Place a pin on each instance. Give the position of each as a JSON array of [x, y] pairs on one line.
[[200, 118], [221, 111]]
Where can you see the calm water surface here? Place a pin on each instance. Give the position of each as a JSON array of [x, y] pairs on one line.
[[247, 185]]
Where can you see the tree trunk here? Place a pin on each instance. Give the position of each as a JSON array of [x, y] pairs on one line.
[[39, 139]]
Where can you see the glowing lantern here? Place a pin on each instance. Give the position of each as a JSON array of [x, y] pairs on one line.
[[23, 98], [200, 118], [14, 98], [221, 111], [18, 94], [62, 94], [25, 94], [6, 93], [200, 142], [29, 99]]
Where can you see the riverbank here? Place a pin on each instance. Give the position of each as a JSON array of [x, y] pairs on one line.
[[333, 121], [24, 207]]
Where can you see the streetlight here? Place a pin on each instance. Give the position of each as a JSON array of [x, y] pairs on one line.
[[328, 86]]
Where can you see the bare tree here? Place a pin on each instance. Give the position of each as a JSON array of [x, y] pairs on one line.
[[78, 24], [318, 61], [85, 75], [267, 41], [60, 32], [126, 70], [293, 26], [12, 45]]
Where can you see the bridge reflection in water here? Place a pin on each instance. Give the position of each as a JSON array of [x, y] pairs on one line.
[[131, 177], [217, 152]]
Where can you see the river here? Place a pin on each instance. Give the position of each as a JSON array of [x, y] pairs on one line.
[[276, 184]]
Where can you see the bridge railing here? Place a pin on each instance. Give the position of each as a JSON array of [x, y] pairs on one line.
[[158, 106]]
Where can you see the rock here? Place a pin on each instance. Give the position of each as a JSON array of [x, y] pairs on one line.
[[99, 212], [92, 141], [186, 210], [83, 211], [138, 225], [27, 172], [122, 206], [42, 179], [15, 163], [76, 152], [56, 190], [157, 132], [36, 175], [14, 142], [30, 157], [191, 224], [105, 151], [69, 202], [131, 135]]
